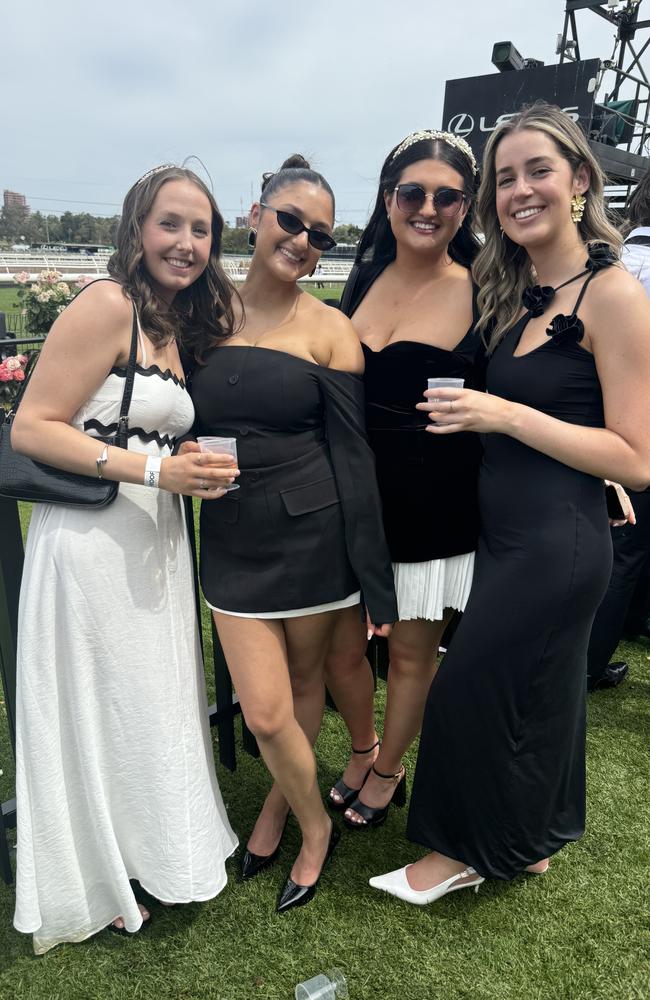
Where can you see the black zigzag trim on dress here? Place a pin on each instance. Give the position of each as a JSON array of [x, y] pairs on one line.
[[167, 375], [108, 430]]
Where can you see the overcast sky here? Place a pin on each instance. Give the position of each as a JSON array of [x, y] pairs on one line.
[[93, 95]]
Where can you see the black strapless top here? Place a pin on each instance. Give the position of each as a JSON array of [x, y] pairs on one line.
[[427, 483]]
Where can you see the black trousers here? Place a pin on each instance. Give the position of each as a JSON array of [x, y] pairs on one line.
[[631, 560]]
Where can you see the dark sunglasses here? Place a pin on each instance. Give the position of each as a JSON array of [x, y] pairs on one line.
[[293, 225], [446, 201]]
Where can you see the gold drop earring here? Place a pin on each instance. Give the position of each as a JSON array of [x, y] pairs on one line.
[[578, 203]]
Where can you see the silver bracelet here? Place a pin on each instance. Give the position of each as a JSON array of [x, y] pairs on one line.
[[152, 471], [101, 462]]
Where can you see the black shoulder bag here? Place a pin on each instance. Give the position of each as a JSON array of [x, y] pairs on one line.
[[22, 478]]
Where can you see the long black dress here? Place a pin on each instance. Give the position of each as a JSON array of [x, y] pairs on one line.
[[500, 779], [304, 529]]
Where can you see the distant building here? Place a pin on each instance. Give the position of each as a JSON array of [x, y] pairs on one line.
[[241, 222], [12, 199]]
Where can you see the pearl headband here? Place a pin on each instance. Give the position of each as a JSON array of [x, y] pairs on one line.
[[156, 170], [452, 140]]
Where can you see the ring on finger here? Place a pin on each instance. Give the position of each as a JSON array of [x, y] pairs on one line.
[[451, 406]]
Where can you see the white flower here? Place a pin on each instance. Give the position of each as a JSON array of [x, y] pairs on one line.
[[50, 277]]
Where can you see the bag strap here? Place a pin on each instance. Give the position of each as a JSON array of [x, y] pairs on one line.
[[123, 421]]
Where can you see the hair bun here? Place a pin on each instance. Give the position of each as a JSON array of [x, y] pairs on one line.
[[293, 162], [296, 162]]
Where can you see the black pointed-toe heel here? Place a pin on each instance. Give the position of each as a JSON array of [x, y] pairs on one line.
[[348, 794], [375, 816], [253, 864], [292, 894]]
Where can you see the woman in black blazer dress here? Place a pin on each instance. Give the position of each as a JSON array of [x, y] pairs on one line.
[[301, 538]]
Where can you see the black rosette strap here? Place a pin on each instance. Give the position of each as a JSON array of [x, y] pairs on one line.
[[537, 297], [564, 328], [600, 255]]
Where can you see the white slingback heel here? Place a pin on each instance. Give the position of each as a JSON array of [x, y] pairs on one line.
[[396, 884]]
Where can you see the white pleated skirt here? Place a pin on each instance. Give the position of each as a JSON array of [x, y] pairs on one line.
[[425, 589]]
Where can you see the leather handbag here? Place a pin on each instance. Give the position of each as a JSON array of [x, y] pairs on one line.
[[23, 478]]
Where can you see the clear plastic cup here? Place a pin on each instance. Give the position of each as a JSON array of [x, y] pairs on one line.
[[220, 446], [331, 985], [445, 383]]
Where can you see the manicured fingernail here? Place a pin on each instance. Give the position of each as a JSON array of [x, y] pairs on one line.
[[369, 634]]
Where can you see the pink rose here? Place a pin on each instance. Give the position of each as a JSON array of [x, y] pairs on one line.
[[11, 364], [19, 375], [5, 376], [21, 278], [22, 358]]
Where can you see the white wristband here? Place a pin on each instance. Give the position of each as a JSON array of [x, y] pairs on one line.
[[152, 471]]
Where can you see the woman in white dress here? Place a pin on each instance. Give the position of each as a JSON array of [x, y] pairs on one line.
[[115, 772]]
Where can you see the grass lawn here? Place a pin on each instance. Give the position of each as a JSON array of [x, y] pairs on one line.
[[8, 299], [331, 291], [579, 933]]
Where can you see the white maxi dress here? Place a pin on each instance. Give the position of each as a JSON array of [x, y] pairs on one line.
[[115, 773]]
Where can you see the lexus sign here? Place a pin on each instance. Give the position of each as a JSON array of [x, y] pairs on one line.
[[476, 105]]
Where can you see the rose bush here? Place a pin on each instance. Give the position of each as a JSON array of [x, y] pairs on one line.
[[44, 300], [12, 373]]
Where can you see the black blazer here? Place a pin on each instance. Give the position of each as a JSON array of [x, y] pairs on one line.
[[305, 527]]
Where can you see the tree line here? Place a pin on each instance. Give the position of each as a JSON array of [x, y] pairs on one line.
[[81, 227]]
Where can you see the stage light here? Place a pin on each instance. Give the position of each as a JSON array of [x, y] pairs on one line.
[[505, 57]]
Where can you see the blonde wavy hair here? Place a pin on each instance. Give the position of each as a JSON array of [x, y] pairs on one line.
[[503, 269]]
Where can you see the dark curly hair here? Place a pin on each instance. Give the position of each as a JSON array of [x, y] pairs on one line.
[[200, 316]]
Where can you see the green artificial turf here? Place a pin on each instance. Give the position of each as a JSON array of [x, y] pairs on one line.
[[577, 933], [581, 932]]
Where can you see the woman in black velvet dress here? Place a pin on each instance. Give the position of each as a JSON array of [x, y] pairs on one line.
[[566, 406], [412, 303]]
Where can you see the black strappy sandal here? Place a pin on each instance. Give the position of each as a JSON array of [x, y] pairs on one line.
[[348, 794], [375, 816]]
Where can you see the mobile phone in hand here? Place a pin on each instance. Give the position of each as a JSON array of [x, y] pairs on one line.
[[615, 509]]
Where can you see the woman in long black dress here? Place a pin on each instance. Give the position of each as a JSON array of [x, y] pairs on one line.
[[302, 536], [413, 306], [566, 406]]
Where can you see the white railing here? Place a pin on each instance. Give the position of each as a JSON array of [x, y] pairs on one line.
[[75, 265]]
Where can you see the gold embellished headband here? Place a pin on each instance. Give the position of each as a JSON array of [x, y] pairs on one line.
[[431, 133], [156, 170]]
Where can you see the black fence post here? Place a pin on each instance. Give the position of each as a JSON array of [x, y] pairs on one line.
[[11, 570], [225, 715], [5, 857]]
